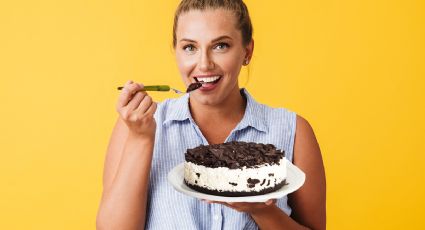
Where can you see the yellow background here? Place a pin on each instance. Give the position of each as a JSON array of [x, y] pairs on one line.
[[354, 69]]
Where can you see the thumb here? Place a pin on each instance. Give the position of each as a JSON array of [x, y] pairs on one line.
[[272, 201]]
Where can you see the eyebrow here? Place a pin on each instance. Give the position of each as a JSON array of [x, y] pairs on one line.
[[214, 40]]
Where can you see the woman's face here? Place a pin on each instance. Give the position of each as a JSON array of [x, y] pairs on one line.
[[209, 49]]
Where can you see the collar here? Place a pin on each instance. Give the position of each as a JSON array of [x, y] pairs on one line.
[[179, 110], [254, 113]]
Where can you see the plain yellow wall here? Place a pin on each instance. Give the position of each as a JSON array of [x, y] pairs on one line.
[[354, 69]]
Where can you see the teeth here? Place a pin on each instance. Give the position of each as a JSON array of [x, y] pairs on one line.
[[208, 79]]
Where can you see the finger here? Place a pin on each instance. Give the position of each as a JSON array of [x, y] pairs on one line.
[[219, 202], [127, 93], [136, 100], [228, 205], [129, 82], [214, 202], [144, 105], [270, 202], [207, 201], [125, 89], [238, 203], [152, 109], [244, 205], [210, 201]]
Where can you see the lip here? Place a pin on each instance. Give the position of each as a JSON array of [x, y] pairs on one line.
[[195, 77], [207, 87]]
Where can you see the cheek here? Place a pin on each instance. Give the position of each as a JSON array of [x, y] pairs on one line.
[[231, 62], [185, 64], [232, 66]]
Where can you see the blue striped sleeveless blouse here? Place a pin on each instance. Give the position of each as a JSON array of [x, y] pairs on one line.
[[176, 132]]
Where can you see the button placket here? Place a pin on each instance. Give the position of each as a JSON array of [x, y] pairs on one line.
[[198, 132], [216, 216]]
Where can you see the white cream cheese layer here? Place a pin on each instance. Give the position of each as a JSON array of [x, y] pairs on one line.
[[235, 180]]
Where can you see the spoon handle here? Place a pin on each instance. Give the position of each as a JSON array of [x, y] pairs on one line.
[[152, 88]]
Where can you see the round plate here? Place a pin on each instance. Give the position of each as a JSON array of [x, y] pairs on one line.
[[295, 179]]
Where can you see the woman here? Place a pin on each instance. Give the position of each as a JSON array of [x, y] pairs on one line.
[[212, 41]]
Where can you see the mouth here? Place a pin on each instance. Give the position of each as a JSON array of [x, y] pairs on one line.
[[208, 80]]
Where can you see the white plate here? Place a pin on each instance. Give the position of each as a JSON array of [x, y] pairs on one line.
[[295, 179]]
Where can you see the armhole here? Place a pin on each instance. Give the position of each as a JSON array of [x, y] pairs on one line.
[[293, 128]]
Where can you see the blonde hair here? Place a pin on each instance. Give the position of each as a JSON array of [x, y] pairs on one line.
[[238, 7]]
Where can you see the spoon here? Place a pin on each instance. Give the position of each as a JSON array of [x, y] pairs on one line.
[[162, 88], [166, 88]]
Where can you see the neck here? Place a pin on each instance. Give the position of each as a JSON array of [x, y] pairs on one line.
[[230, 110]]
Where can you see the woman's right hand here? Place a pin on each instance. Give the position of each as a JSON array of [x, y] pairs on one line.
[[136, 109]]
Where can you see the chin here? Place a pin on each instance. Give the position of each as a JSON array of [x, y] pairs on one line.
[[209, 100]]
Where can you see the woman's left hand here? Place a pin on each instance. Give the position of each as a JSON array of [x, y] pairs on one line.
[[247, 207]]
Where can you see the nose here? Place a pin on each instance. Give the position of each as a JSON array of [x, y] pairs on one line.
[[205, 62]]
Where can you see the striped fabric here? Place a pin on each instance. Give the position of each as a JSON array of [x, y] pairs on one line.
[[176, 132]]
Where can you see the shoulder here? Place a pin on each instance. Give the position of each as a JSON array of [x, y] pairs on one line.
[[278, 113], [304, 129], [305, 139], [307, 154], [267, 112]]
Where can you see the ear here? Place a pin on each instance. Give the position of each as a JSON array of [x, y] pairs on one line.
[[249, 49]]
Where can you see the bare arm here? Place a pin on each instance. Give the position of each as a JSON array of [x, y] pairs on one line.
[[128, 163], [309, 202]]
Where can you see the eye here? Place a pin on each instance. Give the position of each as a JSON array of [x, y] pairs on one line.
[[221, 46], [189, 48]]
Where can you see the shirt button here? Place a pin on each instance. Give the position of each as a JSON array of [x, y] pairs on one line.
[[216, 217]]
